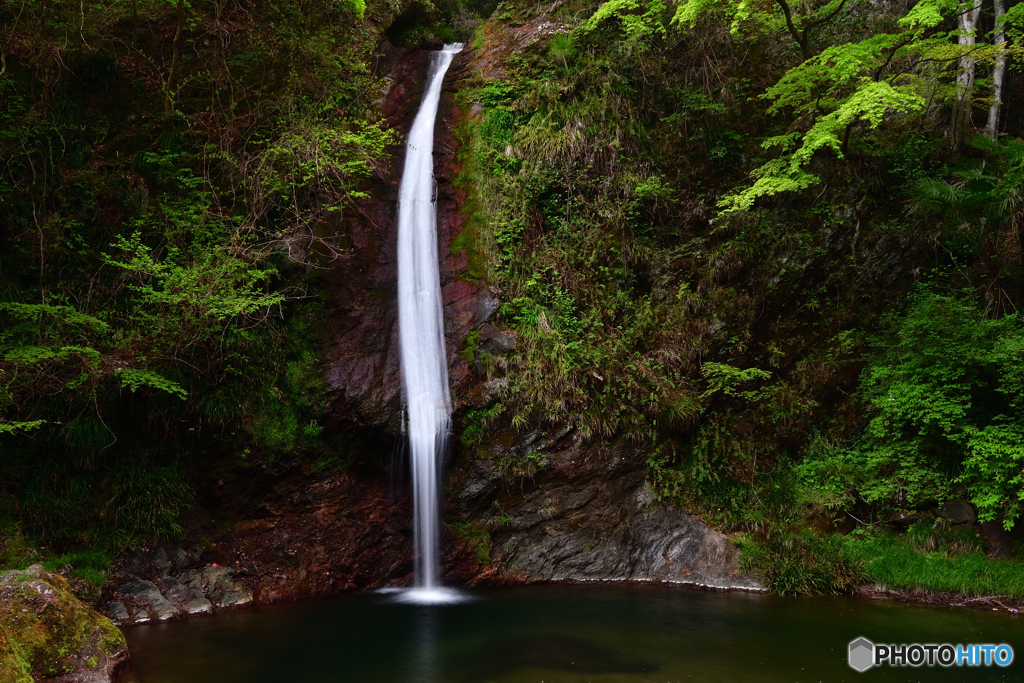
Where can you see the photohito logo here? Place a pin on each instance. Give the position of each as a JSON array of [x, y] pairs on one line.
[[864, 654]]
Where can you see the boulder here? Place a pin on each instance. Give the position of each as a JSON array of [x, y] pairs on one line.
[[496, 342], [148, 594], [957, 512], [1000, 542], [223, 589], [48, 634], [184, 597], [117, 612], [905, 518]]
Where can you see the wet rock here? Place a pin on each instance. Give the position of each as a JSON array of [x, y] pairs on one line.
[[147, 593], [46, 633], [480, 485], [117, 612], [196, 591], [224, 590], [1000, 542], [330, 532], [487, 303], [184, 597], [496, 342], [957, 512], [587, 514], [160, 564], [905, 518], [157, 563]]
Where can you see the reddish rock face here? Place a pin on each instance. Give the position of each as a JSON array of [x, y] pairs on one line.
[[320, 533], [333, 532], [362, 365]]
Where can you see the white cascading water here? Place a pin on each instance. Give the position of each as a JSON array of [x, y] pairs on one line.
[[421, 328]]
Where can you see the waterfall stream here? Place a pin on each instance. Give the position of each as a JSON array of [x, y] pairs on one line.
[[421, 327]]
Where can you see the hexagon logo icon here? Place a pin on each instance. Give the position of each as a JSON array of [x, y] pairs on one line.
[[862, 654]]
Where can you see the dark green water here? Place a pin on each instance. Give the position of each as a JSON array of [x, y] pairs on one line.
[[561, 634]]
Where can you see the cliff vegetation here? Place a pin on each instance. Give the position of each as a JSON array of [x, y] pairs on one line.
[[776, 248]]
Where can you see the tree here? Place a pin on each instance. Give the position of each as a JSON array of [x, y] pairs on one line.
[[800, 28], [948, 418], [992, 127], [172, 76], [839, 88], [883, 79], [967, 20]]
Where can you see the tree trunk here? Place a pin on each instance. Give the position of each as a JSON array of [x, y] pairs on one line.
[[172, 77], [800, 38], [968, 23], [992, 127]]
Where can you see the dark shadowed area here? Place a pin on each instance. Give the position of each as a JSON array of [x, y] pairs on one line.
[[560, 634]]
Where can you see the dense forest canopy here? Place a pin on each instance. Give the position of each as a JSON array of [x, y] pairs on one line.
[[775, 245]]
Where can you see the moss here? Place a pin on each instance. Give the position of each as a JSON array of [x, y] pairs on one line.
[[475, 233], [471, 347], [15, 551], [478, 538], [45, 629]]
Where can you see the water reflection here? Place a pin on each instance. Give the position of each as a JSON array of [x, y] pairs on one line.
[[558, 634], [424, 664]]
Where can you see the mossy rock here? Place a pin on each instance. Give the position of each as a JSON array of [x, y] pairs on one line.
[[47, 633]]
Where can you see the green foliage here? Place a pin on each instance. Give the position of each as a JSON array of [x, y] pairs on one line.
[[88, 565], [878, 82], [469, 351], [981, 195], [640, 22], [283, 423], [479, 540], [134, 379], [179, 294], [945, 388], [563, 46], [936, 561], [15, 550], [801, 563], [518, 466], [310, 163], [727, 347], [154, 252], [837, 70], [727, 380], [830, 477], [748, 18], [477, 421]]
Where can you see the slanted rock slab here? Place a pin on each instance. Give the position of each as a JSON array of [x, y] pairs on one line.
[[186, 598], [147, 593]]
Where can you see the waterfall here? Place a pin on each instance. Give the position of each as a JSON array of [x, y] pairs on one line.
[[421, 328]]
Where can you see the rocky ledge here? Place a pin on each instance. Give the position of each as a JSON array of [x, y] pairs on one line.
[[169, 582], [586, 514], [48, 634]]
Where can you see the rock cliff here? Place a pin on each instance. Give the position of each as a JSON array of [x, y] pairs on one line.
[[585, 515]]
